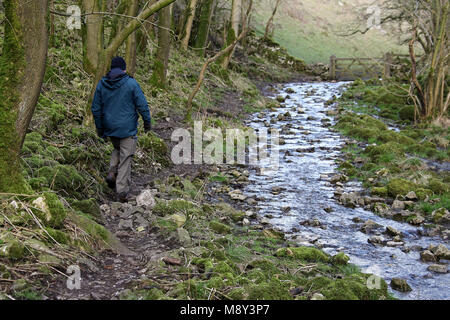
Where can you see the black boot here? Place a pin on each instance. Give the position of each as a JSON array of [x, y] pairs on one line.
[[122, 197], [111, 180]]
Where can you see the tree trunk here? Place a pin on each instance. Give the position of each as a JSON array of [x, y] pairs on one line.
[[22, 68], [92, 32], [204, 25], [233, 31], [188, 27], [269, 25], [130, 52], [218, 55], [117, 21], [162, 54]]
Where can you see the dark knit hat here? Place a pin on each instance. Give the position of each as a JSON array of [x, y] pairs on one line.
[[118, 62]]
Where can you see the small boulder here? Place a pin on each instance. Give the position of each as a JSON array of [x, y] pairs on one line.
[[400, 285], [183, 237], [440, 215], [146, 199], [411, 196], [398, 205], [392, 231], [178, 218], [369, 226], [438, 268], [427, 256], [318, 296], [442, 252]]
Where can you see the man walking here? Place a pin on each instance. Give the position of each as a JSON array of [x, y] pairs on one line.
[[117, 101]]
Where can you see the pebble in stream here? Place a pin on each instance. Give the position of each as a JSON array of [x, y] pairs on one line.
[[307, 161]]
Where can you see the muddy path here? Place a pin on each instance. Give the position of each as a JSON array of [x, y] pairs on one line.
[[300, 199]]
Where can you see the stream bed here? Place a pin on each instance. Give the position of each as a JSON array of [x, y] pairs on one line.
[[306, 195]]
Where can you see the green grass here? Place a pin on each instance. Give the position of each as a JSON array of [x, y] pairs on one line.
[[311, 29]]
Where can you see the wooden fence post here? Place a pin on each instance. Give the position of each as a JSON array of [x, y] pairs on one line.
[[333, 67], [387, 65]]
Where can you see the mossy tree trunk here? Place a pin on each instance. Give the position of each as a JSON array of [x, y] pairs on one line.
[[130, 52], [203, 26], [92, 32], [162, 53], [22, 68], [107, 54], [233, 31], [189, 22]]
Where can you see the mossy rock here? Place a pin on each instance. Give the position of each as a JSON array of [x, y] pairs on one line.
[[58, 235], [340, 258], [38, 184], [383, 149], [50, 210], [363, 133], [10, 247], [272, 290], [63, 177], [397, 187], [438, 214], [268, 267], [273, 234], [423, 193], [205, 264], [438, 187], [219, 227], [88, 206], [380, 191], [155, 147], [238, 216], [354, 288], [303, 253], [95, 230], [407, 113]]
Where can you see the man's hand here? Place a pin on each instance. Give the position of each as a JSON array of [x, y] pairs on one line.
[[147, 126], [101, 135]]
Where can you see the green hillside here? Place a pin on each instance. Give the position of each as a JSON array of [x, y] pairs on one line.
[[310, 29]]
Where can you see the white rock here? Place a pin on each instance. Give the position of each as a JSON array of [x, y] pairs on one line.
[[146, 199], [318, 296]]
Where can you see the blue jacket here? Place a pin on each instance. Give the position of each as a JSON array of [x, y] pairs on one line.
[[117, 101]]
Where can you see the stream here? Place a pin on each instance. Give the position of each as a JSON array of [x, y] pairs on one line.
[[306, 195]]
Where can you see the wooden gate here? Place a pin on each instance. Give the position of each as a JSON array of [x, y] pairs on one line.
[[365, 68]]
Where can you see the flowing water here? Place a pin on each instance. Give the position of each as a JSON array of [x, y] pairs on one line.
[[308, 194]]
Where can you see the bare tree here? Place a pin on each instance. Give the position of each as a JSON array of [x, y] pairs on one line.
[[218, 55], [426, 23], [22, 68], [269, 24]]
